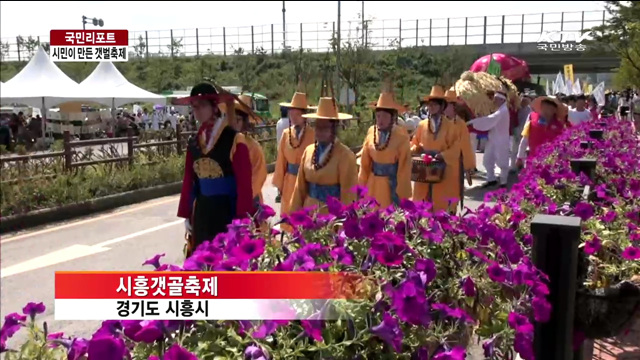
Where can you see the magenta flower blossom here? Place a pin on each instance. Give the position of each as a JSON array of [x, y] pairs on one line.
[[523, 345], [253, 352], [149, 332], [489, 348], [519, 323], [342, 255], [497, 273], [299, 218], [584, 211], [631, 253], [335, 207], [154, 261], [249, 249], [410, 303], [313, 329], [352, 228], [609, 217], [541, 309], [176, 352], [457, 353], [372, 224], [78, 349], [264, 213], [107, 348], [32, 309], [12, 324], [592, 246], [389, 331], [468, 286], [426, 268], [388, 249]]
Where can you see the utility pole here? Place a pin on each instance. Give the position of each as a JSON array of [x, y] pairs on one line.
[[284, 27], [338, 49], [363, 24]]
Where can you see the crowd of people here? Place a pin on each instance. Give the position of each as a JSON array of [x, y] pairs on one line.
[[225, 169], [19, 129]]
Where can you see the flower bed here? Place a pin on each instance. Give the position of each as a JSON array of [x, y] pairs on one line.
[[440, 278]]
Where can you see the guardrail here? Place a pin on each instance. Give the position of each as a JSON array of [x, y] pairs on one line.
[[378, 35]]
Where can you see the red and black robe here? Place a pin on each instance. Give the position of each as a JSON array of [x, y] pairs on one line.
[[217, 183]]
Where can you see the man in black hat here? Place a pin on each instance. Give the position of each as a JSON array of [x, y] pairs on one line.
[[217, 179]]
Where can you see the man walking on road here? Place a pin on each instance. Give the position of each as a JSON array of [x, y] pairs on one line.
[[497, 148]]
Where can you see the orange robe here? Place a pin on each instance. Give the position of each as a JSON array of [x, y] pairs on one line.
[[340, 173], [468, 154], [374, 166], [288, 159], [258, 167], [446, 141]]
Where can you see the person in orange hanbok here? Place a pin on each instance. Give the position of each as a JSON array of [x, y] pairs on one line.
[[467, 155], [385, 165], [438, 136], [245, 120], [294, 141], [328, 167], [400, 124]]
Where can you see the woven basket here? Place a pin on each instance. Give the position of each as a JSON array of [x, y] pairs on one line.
[[431, 173]]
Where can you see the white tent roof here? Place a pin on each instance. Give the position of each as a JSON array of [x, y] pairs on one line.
[[40, 81], [107, 82]]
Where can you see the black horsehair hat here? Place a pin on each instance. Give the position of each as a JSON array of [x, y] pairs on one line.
[[201, 91]]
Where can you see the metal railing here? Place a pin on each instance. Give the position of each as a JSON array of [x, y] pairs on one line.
[[379, 35]]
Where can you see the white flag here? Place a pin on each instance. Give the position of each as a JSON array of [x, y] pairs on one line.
[[568, 87], [598, 93], [577, 89], [558, 85], [547, 90]]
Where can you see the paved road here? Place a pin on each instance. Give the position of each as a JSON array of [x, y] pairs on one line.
[[118, 240]]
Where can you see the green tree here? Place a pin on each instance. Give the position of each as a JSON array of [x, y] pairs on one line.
[[621, 32], [175, 46], [141, 47], [5, 47], [31, 45], [354, 63]]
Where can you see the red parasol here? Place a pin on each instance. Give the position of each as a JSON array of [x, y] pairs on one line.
[[513, 68]]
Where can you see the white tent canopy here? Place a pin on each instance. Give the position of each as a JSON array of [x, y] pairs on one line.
[[106, 82], [40, 84]]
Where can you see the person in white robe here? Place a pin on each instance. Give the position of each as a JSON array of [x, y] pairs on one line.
[[497, 148]]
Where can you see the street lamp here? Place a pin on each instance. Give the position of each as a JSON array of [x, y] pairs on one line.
[[95, 21]]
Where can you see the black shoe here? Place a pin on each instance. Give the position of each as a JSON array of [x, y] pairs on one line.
[[489, 184]]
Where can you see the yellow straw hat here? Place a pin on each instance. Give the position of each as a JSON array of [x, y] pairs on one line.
[[451, 95], [327, 110], [387, 102], [437, 92], [298, 101], [244, 106], [536, 105]]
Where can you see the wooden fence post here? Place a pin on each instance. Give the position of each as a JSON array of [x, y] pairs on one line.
[[130, 145], [68, 155], [555, 253], [179, 138]]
